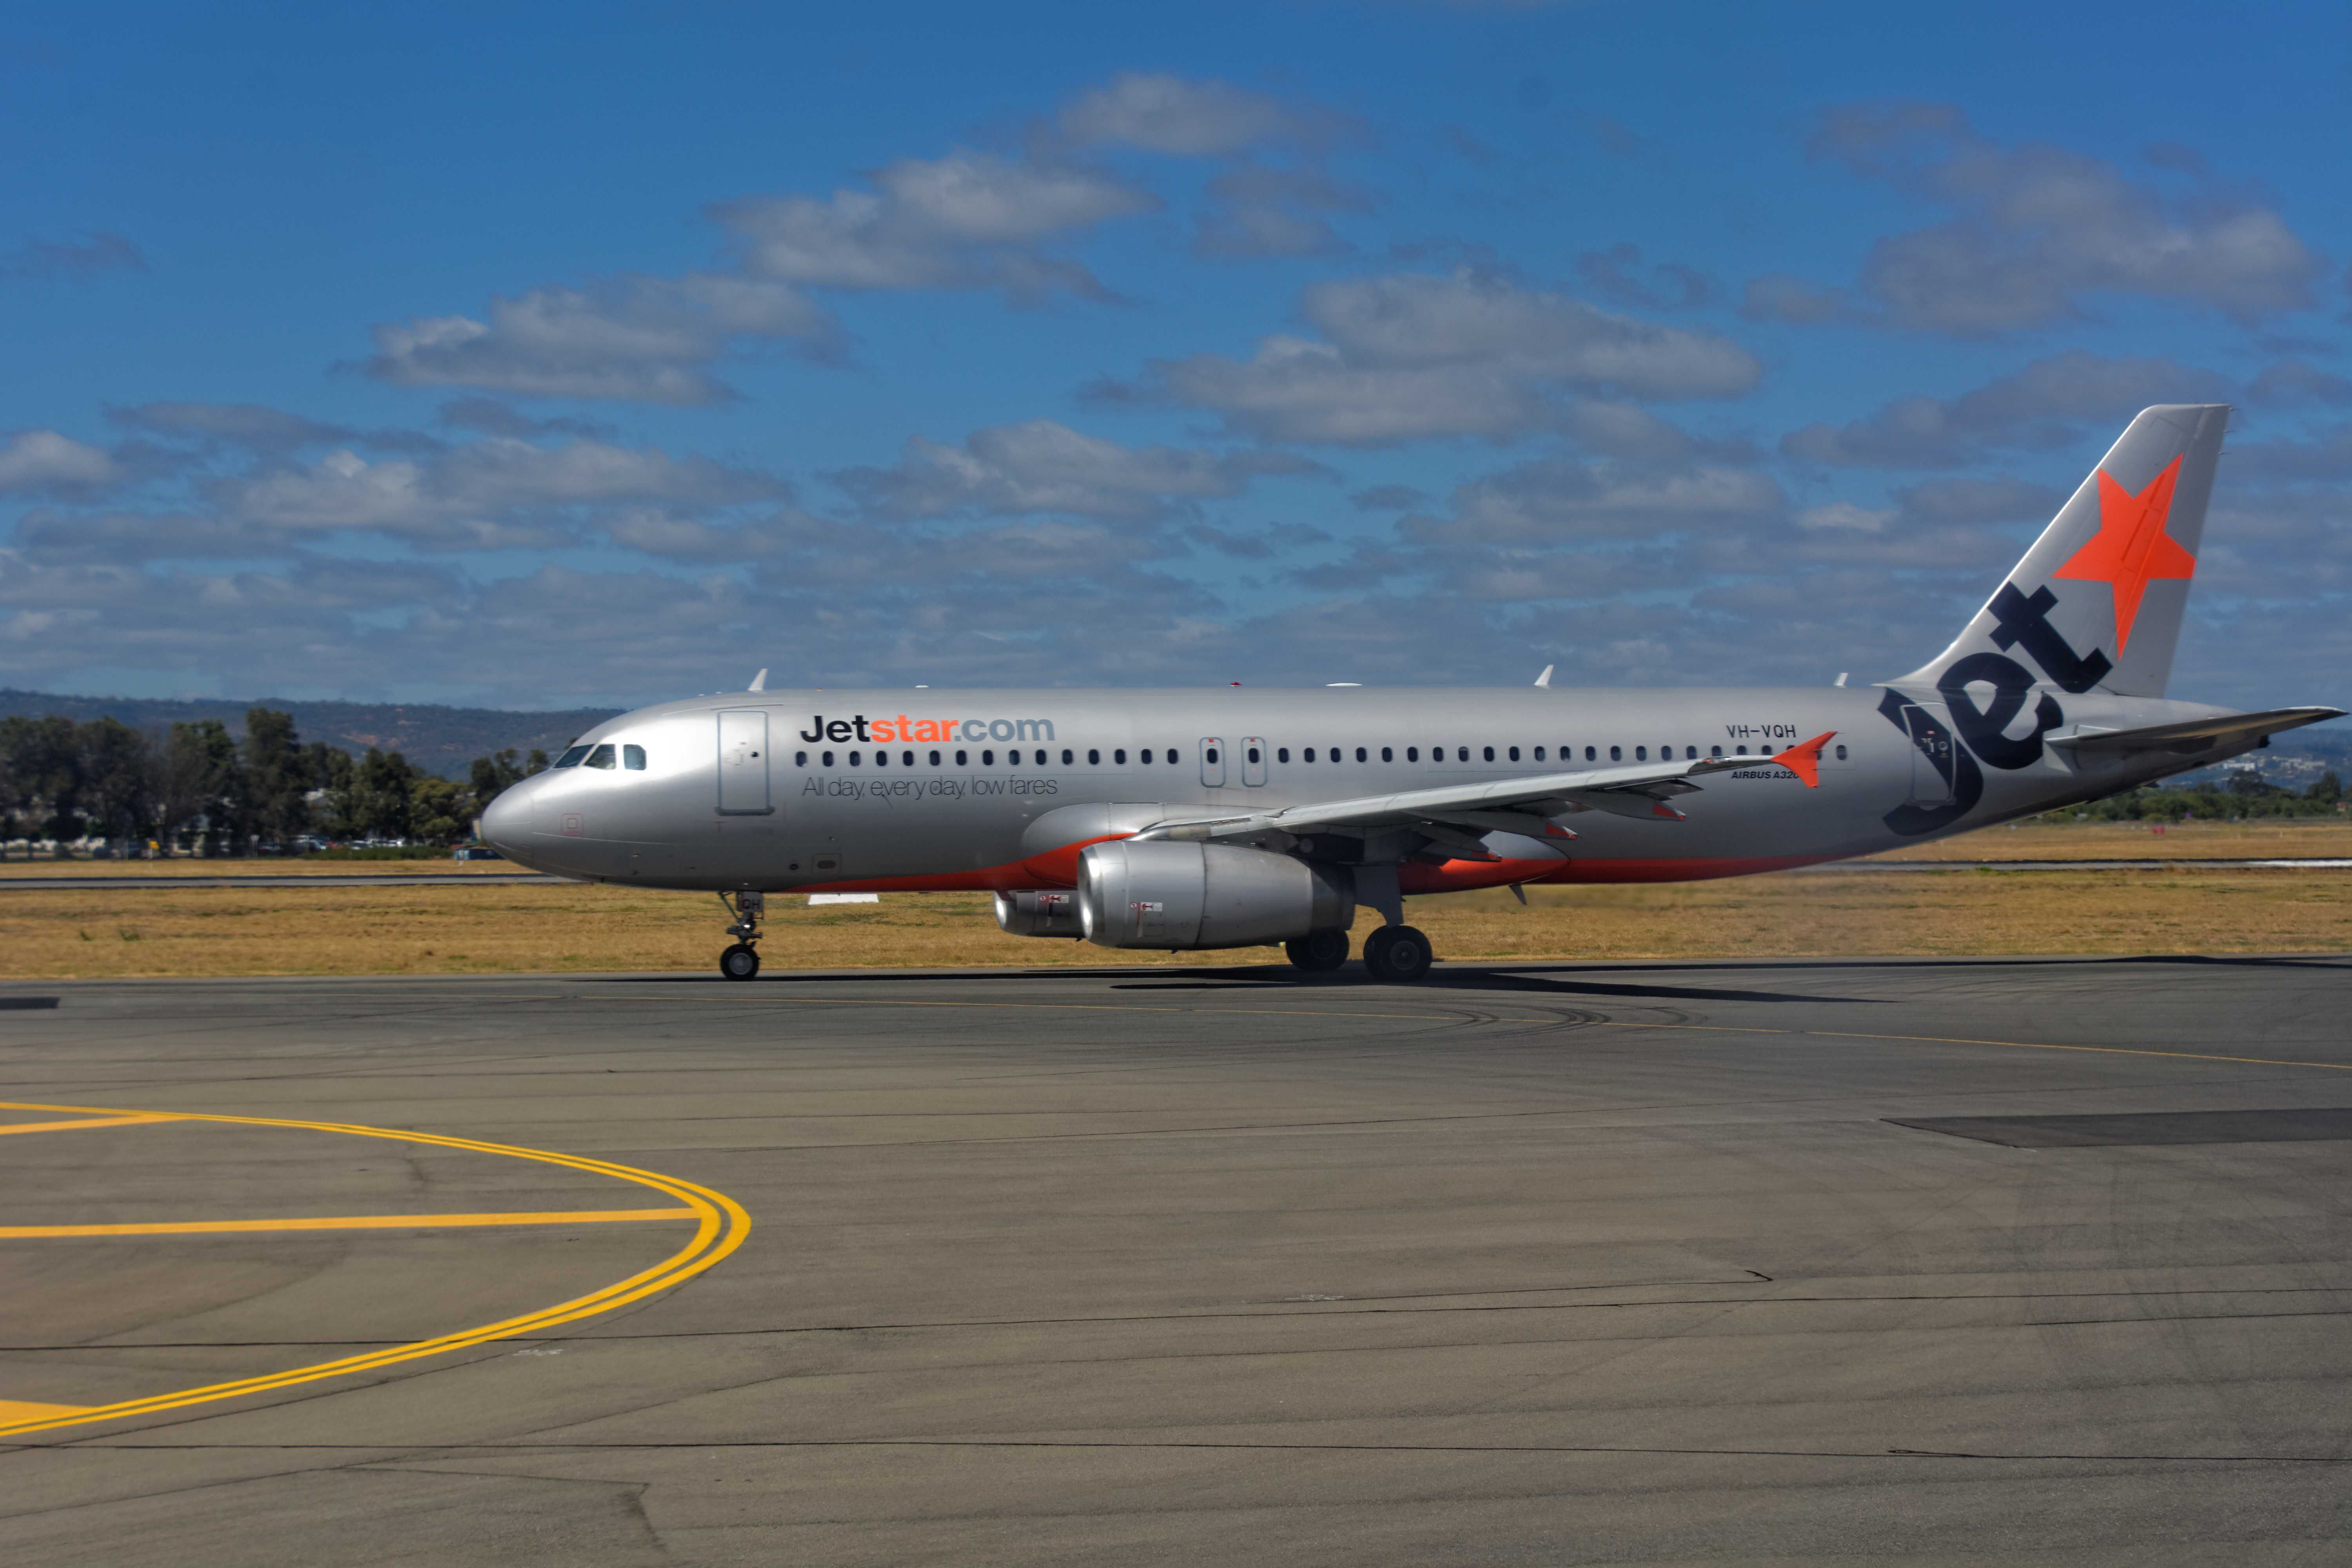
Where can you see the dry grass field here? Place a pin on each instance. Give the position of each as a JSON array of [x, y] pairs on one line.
[[199, 931], [2252, 840]]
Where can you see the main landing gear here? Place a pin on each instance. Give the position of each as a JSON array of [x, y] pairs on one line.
[[1397, 955], [1319, 951], [742, 962]]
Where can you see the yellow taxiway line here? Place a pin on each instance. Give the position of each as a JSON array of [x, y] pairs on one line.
[[720, 1228], [139, 1120], [341, 1221]]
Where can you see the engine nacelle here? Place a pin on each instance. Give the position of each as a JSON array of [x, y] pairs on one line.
[[1188, 896], [1040, 914]]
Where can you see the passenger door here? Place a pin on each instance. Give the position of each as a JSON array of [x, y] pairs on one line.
[[1212, 762], [743, 763], [1253, 760]]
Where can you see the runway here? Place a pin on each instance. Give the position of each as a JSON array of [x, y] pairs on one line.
[[1968, 1260]]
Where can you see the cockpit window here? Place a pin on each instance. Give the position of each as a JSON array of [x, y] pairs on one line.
[[601, 757], [573, 758], [632, 757]]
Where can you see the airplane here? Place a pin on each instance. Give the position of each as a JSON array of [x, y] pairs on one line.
[[1182, 820]]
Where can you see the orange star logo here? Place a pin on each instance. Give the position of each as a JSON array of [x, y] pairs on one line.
[[2131, 549]]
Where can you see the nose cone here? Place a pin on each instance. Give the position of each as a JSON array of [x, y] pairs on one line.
[[505, 824]]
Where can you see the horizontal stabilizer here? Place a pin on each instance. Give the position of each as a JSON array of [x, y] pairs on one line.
[[2193, 735]]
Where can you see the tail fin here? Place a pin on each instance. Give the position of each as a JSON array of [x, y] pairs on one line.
[[2097, 602]]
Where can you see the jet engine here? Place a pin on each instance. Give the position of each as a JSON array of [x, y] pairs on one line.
[[1183, 896], [1039, 914]]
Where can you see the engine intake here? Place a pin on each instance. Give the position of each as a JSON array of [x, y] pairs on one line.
[[1040, 914], [1175, 895]]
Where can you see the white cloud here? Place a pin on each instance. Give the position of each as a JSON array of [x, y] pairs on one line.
[[964, 221], [2033, 230], [44, 461], [1845, 517], [2045, 404], [493, 493], [1045, 467], [1412, 356], [645, 339], [1155, 113]]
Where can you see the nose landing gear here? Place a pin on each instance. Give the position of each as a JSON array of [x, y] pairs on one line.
[[742, 962]]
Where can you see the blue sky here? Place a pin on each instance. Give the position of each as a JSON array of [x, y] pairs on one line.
[[600, 353]]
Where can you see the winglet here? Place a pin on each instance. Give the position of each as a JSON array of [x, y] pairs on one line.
[[1545, 678], [1805, 760], [759, 682]]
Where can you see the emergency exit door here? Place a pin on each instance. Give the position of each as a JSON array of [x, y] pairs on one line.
[[743, 763]]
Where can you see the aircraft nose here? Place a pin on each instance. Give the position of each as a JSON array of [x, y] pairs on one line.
[[504, 820]]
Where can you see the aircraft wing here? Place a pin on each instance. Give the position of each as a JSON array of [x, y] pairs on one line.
[[2195, 735], [1458, 815]]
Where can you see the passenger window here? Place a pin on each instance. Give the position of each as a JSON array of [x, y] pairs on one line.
[[1740, 750], [800, 759], [1119, 757], [1640, 753], [1144, 754], [1066, 756], [1211, 755], [963, 759], [987, 759], [1309, 753], [1616, 754], [881, 759], [1841, 754], [1715, 751], [1359, 754], [1171, 756], [853, 758], [935, 759], [1388, 754], [1490, 754], [1253, 754], [1282, 753], [1540, 754], [1412, 754], [634, 757], [1094, 758], [1461, 753], [828, 759], [1515, 753], [907, 759], [1590, 755], [572, 758]]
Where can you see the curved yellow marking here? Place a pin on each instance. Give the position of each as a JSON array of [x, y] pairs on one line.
[[722, 1227]]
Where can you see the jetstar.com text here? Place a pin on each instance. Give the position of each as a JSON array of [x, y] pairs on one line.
[[860, 728]]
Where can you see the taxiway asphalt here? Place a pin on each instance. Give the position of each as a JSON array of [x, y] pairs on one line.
[[1968, 1260]]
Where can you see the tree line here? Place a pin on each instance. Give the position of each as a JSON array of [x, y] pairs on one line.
[[2245, 794], [197, 786]]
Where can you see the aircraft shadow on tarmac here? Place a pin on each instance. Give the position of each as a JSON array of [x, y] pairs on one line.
[[1524, 978]]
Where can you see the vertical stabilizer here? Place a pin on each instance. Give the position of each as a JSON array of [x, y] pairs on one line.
[[2096, 603]]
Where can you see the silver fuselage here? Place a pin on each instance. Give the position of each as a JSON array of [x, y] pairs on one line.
[[1000, 789]]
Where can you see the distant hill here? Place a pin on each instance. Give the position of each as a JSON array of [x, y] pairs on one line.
[[444, 740]]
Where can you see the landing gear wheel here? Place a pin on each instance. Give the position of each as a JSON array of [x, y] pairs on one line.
[[1319, 951], [1397, 955], [741, 962]]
